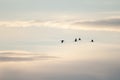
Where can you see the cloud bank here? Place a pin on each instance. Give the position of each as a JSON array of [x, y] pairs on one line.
[[15, 56], [112, 24], [107, 22]]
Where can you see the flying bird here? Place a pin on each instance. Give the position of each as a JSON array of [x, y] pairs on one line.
[[79, 39], [75, 39], [92, 40], [62, 41]]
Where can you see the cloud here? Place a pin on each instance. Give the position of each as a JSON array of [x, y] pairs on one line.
[[105, 22], [111, 24], [12, 56]]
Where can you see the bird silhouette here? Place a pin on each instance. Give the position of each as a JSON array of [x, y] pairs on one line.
[[92, 40], [79, 39], [75, 39], [62, 41]]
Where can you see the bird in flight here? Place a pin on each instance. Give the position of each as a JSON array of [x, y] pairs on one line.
[[79, 39], [75, 39], [62, 41], [92, 40]]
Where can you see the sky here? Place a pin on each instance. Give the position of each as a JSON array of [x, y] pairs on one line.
[[30, 34], [29, 9], [73, 14]]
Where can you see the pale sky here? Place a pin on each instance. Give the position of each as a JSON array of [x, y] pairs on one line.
[[31, 32], [35, 9], [67, 14]]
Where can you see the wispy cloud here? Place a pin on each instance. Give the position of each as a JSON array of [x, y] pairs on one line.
[[13, 56], [105, 22], [111, 24]]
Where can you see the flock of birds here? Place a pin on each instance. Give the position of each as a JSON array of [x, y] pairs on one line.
[[75, 40]]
